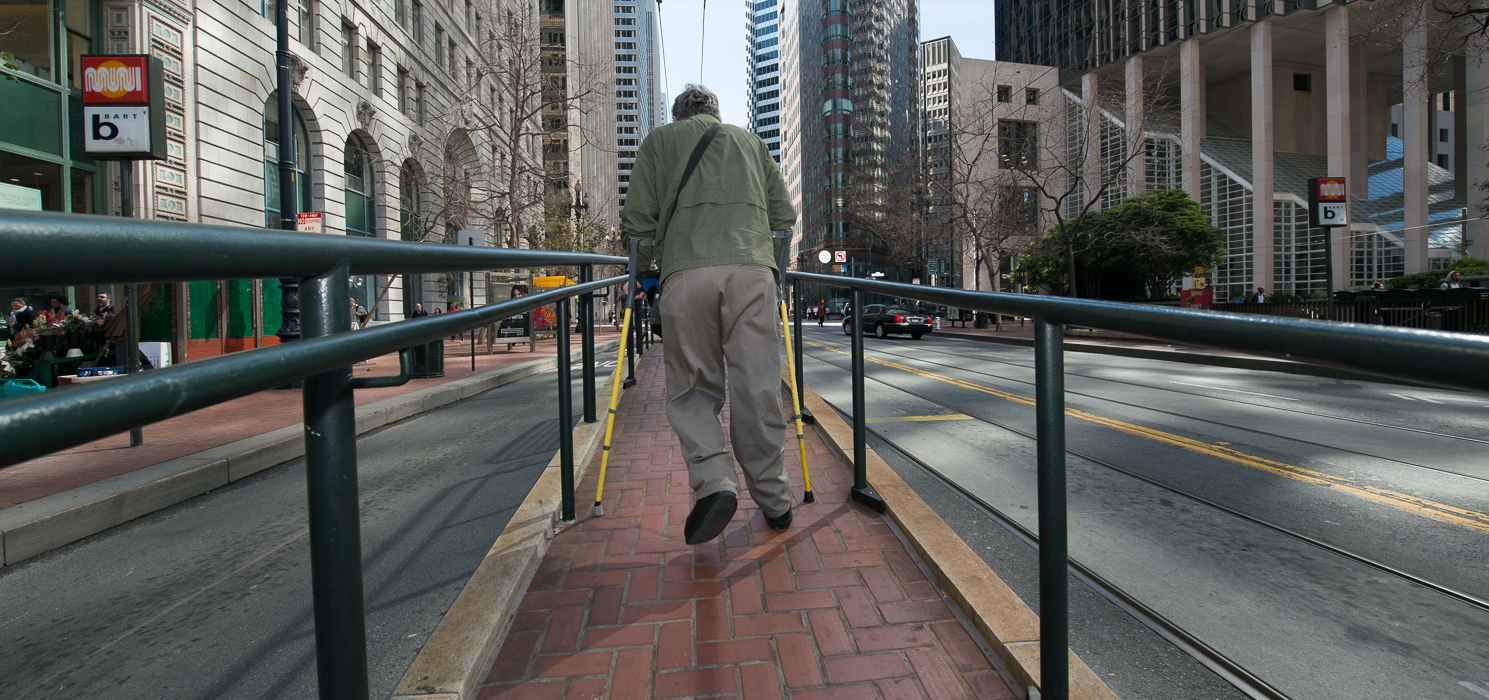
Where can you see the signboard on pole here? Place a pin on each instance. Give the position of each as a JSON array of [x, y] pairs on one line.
[[1328, 202], [840, 256], [123, 107], [824, 257], [310, 222]]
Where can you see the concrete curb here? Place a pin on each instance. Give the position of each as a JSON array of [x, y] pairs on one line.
[[35, 527], [1264, 364], [464, 645], [1010, 628]]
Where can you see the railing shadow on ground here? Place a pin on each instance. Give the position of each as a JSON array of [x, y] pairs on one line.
[[108, 250], [1452, 360]]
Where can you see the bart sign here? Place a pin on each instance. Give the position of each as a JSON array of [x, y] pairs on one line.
[[1328, 202], [123, 107]]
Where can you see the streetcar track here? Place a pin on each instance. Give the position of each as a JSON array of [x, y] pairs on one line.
[[1460, 596], [1208, 656], [1210, 421], [1184, 393]]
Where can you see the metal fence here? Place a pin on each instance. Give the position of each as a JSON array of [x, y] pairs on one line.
[[1454, 360], [1464, 313], [63, 249]]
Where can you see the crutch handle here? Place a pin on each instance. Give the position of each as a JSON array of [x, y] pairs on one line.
[[784, 236]]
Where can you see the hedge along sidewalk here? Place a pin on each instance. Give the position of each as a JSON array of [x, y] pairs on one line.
[[462, 646], [39, 525], [1008, 626]]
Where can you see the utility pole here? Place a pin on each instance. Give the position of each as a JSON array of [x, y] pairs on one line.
[[289, 287]]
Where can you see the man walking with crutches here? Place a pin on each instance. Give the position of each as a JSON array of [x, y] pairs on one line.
[[709, 195]]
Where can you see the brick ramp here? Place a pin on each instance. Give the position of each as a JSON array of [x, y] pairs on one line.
[[835, 607]]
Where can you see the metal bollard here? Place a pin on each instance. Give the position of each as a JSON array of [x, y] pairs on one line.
[[1049, 413], [862, 492], [801, 382], [565, 411], [587, 349], [331, 485]]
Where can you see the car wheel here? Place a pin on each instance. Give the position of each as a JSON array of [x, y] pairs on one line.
[[879, 331], [847, 328], [917, 335]]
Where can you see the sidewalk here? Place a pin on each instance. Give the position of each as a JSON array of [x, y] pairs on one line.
[[239, 419], [834, 607]]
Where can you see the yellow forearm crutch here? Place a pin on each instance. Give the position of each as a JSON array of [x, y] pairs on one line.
[[801, 441], [620, 362]]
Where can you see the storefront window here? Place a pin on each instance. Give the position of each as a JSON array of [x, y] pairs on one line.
[[80, 33], [26, 31], [35, 174]]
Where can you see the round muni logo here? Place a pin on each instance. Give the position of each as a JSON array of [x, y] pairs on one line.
[[112, 79]]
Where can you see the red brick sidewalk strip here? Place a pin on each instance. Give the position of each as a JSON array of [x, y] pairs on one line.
[[834, 607]]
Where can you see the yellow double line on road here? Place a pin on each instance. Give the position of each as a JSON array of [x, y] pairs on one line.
[[1443, 512]]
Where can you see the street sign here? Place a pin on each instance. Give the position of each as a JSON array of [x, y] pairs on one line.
[[840, 256], [824, 257], [310, 222], [123, 107], [1328, 202]]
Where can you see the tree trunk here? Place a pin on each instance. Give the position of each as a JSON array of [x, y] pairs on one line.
[[1070, 265]]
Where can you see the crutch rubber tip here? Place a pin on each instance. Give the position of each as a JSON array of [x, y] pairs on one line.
[[598, 510], [808, 497]]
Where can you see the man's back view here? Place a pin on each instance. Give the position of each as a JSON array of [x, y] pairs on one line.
[[717, 261]]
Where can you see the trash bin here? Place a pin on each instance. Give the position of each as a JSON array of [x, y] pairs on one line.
[[428, 360]]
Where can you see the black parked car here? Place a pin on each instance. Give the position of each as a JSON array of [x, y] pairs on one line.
[[884, 320]]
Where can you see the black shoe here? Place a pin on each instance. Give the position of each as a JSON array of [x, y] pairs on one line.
[[709, 516], [779, 522]]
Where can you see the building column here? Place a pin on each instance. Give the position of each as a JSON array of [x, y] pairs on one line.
[[1359, 114], [1263, 265], [1474, 100], [1415, 140], [1137, 160], [1191, 114], [1340, 124], [1091, 123]]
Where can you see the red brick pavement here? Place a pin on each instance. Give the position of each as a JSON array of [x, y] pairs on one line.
[[834, 607], [235, 420]]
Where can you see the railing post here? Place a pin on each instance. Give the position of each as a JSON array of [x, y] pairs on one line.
[[801, 382], [331, 486], [1049, 412], [587, 349], [565, 411], [862, 492]]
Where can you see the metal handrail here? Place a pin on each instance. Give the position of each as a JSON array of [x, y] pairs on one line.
[[1433, 357], [108, 250], [111, 250], [30, 423]]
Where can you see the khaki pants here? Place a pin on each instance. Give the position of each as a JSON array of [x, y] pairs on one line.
[[713, 317]]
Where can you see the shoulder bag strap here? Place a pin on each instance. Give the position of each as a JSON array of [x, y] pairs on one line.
[[687, 172]]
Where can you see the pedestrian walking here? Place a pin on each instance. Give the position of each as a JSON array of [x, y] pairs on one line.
[[1454, 281], [710, 194], [822, 312]]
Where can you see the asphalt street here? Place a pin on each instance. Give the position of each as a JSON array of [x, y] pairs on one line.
[[1328, 536], [211, 598]]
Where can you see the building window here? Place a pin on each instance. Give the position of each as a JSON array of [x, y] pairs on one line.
[[308, 17], [400, 13], [837, 105], [418, 103], [1442, 161], [271, 162], [1303, 82], [375, 69], [1442, 135], [1005, 94], [1017, 142], [349, 49], [454, 61], [439, 45], [1031, 96], [837, 30], [834, 57], [417, 19], [361, 210]]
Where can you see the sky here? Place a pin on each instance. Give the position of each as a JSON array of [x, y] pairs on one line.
[[722, 43]]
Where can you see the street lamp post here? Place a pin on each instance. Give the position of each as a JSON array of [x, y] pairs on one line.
[[289, 287]]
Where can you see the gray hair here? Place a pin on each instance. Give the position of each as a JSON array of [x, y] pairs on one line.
[[695, 100]]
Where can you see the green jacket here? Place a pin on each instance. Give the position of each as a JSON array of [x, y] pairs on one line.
[[734, 199]]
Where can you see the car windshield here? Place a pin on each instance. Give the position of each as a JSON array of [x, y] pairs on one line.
[[899, 310]]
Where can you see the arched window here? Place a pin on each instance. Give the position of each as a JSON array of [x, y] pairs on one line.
[[271, 162], [361, 210]]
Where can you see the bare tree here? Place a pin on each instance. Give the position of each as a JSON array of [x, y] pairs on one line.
[[889, 212]]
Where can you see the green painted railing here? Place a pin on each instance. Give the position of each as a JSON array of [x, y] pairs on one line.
[[60, 249], [1451, 360]]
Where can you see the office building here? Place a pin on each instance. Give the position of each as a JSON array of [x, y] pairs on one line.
[[763, 54], [638, 101], [1270, 95]]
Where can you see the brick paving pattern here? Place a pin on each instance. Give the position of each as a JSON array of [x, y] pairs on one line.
[[834, 607], [235, 420]]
